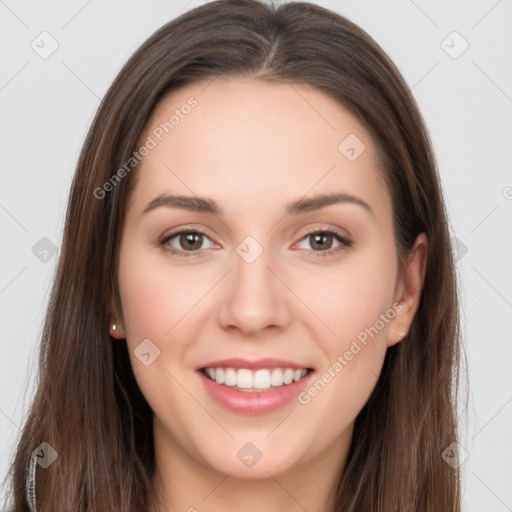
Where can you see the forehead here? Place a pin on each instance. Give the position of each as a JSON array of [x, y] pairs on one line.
[[253, 142]]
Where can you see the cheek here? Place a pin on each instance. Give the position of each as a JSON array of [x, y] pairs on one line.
[[155, 301], [155, 297], [351, 299], [353, 359], [358, 307]]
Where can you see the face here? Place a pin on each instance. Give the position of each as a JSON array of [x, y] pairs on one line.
[[257, 286]]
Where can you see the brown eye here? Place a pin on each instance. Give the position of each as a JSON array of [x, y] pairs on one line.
[[321, 242], [190, 240], [185, 243]]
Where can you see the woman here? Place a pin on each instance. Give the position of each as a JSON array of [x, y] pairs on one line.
[[303, 351]]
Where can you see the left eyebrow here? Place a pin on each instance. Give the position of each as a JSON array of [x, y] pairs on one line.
[[321, 201], [210, 206]]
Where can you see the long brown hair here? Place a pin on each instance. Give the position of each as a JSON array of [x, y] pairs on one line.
[[88, 406]]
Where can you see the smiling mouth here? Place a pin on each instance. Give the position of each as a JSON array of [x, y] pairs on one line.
[[254, 381]]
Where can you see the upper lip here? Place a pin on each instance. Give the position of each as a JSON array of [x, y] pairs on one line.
[[267, 362]]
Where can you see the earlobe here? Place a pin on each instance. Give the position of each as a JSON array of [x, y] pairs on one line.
[[116, 330], [395, 334], [113, 330], [401, 332]]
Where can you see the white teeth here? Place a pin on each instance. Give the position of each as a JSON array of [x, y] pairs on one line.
[[252, 380], [277, 377], [230, 377], [244, 379], [261, 379], [288, 376]]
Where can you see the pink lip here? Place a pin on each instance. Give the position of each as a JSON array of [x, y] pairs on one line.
[[258, 402], [238, 362]]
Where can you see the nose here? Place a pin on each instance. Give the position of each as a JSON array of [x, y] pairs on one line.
[[255, 297]]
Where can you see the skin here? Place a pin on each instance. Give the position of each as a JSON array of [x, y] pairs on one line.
[[255, 147]]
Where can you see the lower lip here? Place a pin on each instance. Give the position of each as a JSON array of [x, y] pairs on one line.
[[257, 402]]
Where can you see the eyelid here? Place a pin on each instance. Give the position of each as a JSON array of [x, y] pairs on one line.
[[343, 234]]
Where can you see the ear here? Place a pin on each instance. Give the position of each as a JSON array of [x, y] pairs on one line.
[[118, 333], [116, 319], [408, 290]]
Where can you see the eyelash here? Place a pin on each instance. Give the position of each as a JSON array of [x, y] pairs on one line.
[[345, 242]]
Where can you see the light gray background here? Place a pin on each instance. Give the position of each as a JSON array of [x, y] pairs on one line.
[[48, 104]]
